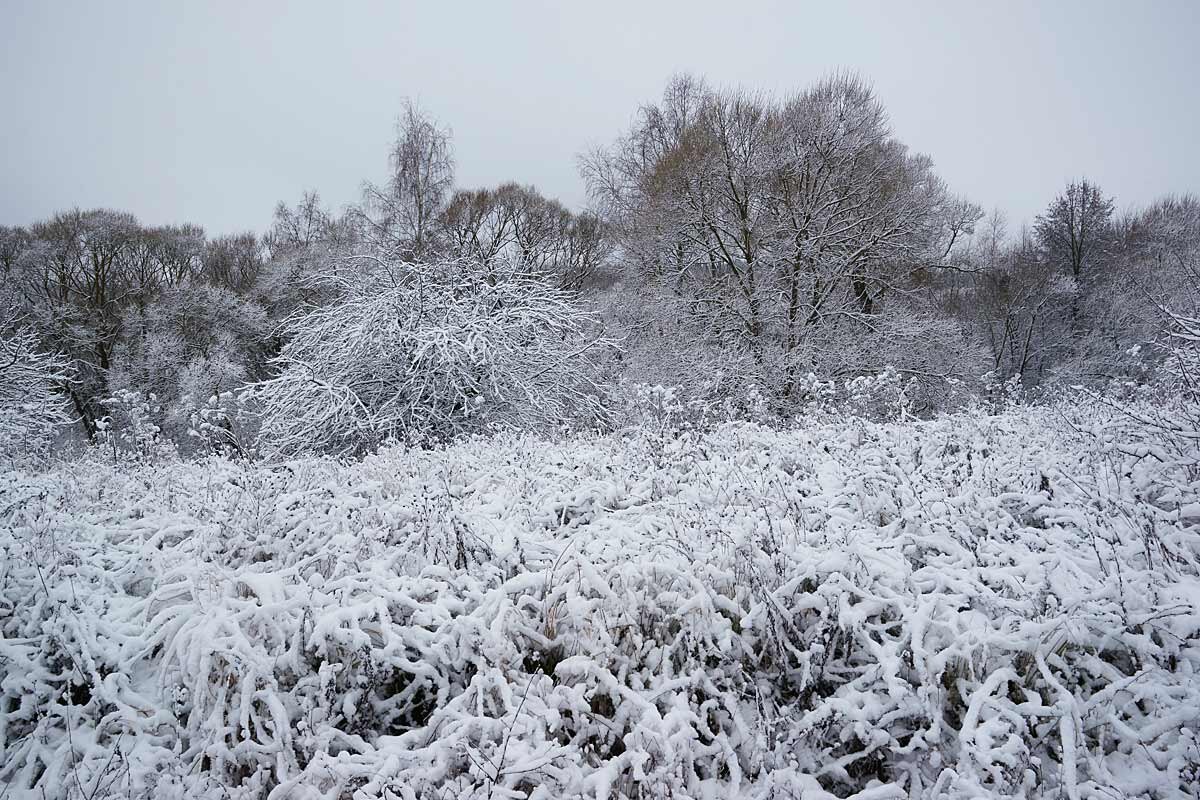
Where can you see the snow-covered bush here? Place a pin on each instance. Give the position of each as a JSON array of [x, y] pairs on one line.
[[1001, 393], [194, 341], [979, 605], [1182, 361], [32, 404], [224, 425], [131, 429], [884, 395], [669, 411], [1161, 418], [664, 344], [429, 352]]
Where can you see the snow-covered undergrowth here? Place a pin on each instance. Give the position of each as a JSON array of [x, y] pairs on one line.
[[973, 606]]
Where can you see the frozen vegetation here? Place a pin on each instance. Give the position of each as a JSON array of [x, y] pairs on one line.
[[781, 471], [994, 603]]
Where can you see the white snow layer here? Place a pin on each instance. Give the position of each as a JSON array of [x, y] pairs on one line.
[[977, 606]]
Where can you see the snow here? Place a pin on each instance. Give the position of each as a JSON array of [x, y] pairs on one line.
[[981, 605]]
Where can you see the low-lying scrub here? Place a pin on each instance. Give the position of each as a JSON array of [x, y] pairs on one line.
[[979, 605]]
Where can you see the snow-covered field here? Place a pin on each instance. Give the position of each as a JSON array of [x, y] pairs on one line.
[[974, 606]]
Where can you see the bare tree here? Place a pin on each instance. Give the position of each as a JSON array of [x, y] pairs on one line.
[[195, 341], [860, 216], [93, 282], [635, 182], [233, 262], [79, 278], [401, 214], [1163, 246], [302, 244], [300, 228], [476, 224], [519, 228], [159, 258], [1150, 271], [1017, 302], [1075, 231], [538, 223], [689, 190], [787, 224], [586, 246], [14, 243]]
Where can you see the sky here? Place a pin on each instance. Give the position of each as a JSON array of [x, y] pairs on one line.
[[213, 112]]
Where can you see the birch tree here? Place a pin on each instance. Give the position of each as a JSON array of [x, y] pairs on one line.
[[401, 214]]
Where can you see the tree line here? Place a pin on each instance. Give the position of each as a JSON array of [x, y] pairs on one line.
[[735, 240]]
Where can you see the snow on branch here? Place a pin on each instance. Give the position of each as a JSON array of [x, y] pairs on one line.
[[430, 352], [32, 406]]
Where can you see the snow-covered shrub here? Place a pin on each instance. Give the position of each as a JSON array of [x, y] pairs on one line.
[[662, 424], [979, 605], [429, 352], [223, 425], [880, 396], [664, 343], [1182, 358], [193, 341], [71, 718], [668, 411], [1160, 418], [814, 394], [931, 355], [131, 429], [32, 405], [1000, 394]]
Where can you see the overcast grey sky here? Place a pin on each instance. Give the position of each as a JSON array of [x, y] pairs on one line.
[[213, 112]]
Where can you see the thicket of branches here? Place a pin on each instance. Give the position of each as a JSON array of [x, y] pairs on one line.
[[427, 353]]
